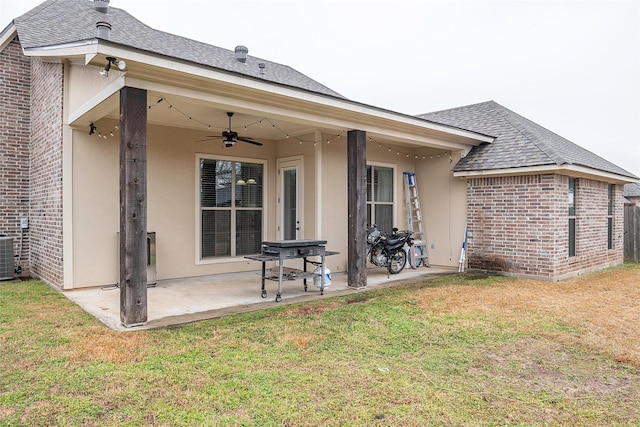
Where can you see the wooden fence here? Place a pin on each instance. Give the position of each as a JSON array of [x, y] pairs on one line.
[[632, 233]]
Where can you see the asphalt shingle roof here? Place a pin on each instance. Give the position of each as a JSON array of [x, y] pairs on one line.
[[59, 22], [631, 190], [519, 141]]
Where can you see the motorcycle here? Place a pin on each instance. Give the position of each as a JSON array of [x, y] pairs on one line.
[[386, 250]]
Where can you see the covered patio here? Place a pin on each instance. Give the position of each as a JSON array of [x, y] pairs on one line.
[[212, 152], [180, 301]]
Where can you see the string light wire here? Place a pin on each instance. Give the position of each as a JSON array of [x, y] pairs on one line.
[[209, 126]]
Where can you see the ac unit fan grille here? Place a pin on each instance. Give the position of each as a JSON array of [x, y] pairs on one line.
[[6, 258]]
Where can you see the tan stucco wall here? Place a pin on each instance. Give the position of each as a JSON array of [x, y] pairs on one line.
[[334, 203], [443, 199], [171, 168], [172, 176], [87, 82]]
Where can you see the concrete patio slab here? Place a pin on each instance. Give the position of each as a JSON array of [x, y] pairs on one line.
[[180, 301]]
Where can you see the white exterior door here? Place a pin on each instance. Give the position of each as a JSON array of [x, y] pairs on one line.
[[290, 199]]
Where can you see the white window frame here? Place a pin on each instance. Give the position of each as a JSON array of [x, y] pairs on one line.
[[572, 216], [611, 191], [394, 208], [198, 218]]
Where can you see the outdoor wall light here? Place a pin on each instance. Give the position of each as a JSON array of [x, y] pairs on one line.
[[111, 60]]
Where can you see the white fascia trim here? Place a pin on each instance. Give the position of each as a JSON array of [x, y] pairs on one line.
[[64, 50], [570, 170], [7, 36]]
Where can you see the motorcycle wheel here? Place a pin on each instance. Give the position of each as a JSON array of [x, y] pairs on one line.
[[397, 261]]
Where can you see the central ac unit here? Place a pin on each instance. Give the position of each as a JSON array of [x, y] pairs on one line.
[[6, 258]]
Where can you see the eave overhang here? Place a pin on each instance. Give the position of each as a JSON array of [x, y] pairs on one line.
[[167, 75], [566, 169], [7, 35]]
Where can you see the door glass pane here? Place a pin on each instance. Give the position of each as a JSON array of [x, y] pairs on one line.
[[290, 215], [248, 232]]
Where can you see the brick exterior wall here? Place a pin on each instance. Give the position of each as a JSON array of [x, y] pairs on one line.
[[518, 225], [46, 171], [15, 88]]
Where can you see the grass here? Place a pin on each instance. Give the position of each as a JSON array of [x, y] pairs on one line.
[[458, 350]]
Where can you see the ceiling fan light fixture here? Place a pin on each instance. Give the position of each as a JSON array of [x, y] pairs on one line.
[[230, 137]]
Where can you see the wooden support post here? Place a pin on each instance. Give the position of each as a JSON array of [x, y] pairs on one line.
[[357, 208], [133, 206]]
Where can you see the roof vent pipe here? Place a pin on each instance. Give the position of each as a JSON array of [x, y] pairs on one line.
[[262, 66], [101, 5], [104, 30], [241, 53]]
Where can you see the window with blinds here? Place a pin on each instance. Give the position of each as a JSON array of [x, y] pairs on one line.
[[610, 191], [572, 217], [231, 208], [380, 197]]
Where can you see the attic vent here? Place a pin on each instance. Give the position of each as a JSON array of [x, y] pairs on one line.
[[262, 66], [101, 5], [241, 53], [104, 30]]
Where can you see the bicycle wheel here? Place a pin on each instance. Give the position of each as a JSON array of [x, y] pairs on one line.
[[417, 256]]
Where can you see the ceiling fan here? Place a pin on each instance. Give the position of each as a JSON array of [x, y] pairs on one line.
[[230, 137]]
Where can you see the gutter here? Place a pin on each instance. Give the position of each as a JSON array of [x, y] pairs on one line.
[[570, 170]]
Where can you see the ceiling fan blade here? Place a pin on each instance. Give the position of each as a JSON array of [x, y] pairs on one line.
[[249, 140], [209, 138]]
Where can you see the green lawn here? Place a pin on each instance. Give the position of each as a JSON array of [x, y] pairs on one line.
[[445, 352]]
